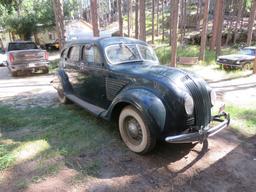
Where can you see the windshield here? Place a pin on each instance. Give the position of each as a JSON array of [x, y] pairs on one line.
[[246, 52], [122, 53], [21, 46]]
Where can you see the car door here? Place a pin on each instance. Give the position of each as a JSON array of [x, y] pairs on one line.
[[71, 64], [94, 73]]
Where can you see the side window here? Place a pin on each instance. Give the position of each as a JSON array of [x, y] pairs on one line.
[[74, 53], [91, 55]]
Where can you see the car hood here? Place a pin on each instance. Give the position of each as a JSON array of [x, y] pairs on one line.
[[236, 57], [157, 73], [149, 70]]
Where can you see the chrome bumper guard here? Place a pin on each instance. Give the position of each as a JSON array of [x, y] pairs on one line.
[[203, 133]]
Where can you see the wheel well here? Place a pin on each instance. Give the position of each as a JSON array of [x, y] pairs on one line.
[[117, 110]]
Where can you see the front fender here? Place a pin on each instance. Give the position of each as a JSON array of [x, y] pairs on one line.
[[145, 101]]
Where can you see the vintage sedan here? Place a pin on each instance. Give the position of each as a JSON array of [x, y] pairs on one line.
[[244, 59], [121, 79]]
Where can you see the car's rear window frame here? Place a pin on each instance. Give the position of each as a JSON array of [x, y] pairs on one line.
[[21, 43]]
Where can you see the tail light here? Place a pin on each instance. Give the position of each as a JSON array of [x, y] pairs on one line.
[[46, 55], [11, 58]]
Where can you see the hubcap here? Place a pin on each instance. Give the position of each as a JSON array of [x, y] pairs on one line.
[[133, 130]]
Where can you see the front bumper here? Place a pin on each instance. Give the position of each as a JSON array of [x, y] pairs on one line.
[[29, 66], [231, 65], [223, 119]]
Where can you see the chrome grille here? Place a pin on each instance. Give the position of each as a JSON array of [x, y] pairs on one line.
[[201, 99]]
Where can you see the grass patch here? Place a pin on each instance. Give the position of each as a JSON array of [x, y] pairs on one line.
[[164, 53], [22, 184], [243, 119], [53, 66], [43, 133]]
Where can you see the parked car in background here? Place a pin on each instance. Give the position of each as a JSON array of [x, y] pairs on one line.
[[25, 56], [120, 78], [52, 46], [243, 60]]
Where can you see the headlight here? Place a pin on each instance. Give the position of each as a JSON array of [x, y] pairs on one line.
[[189, 104], [213, 97], [238, 62]]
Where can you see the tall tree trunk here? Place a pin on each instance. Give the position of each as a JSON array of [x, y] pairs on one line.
[[204, 31], [1, 44], [230, 23], [198, 14], [36, 38], [157, 17], [175, 23], [242, 19], [240, 8], [59, 20], [136, 19], [120, 18], [10, 36], [251, 23], [163, 20], [142, 31], [183, 20], [153, 21], [94, 16], [129, 17], [215, 25], [220, 25]]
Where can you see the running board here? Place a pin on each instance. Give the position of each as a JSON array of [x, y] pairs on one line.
[[87, 106]]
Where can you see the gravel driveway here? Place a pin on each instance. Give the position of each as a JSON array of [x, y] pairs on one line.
[[27, 91], [225, 163]]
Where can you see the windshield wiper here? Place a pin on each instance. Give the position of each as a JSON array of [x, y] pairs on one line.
[[131, 61]]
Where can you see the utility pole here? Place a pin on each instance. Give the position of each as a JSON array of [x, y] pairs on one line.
[[59, 21]]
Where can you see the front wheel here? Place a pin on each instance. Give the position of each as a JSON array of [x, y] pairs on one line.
[[14, 73], [247, 66], [45, 70], [135, 132]]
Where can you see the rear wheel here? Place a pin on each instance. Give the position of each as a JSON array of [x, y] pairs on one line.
[[61, 95], [135, 132]]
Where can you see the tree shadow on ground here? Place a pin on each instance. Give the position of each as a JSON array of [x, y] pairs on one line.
[[91, 147]]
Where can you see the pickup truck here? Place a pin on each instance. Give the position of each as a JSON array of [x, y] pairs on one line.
[[243, 59], [25, 56]]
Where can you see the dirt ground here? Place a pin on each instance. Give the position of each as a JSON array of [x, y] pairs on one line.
[[226, 162]]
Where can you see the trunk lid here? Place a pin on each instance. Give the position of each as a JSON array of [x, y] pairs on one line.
[[26, 56]]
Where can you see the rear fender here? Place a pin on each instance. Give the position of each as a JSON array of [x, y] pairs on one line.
[[64, 80]]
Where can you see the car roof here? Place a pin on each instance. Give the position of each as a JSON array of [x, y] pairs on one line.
[[21, 42], [250, 48], [106, 41]]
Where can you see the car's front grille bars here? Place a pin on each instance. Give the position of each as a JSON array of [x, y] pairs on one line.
[[201, 99]]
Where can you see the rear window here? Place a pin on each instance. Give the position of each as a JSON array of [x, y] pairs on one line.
[[21, 46]]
